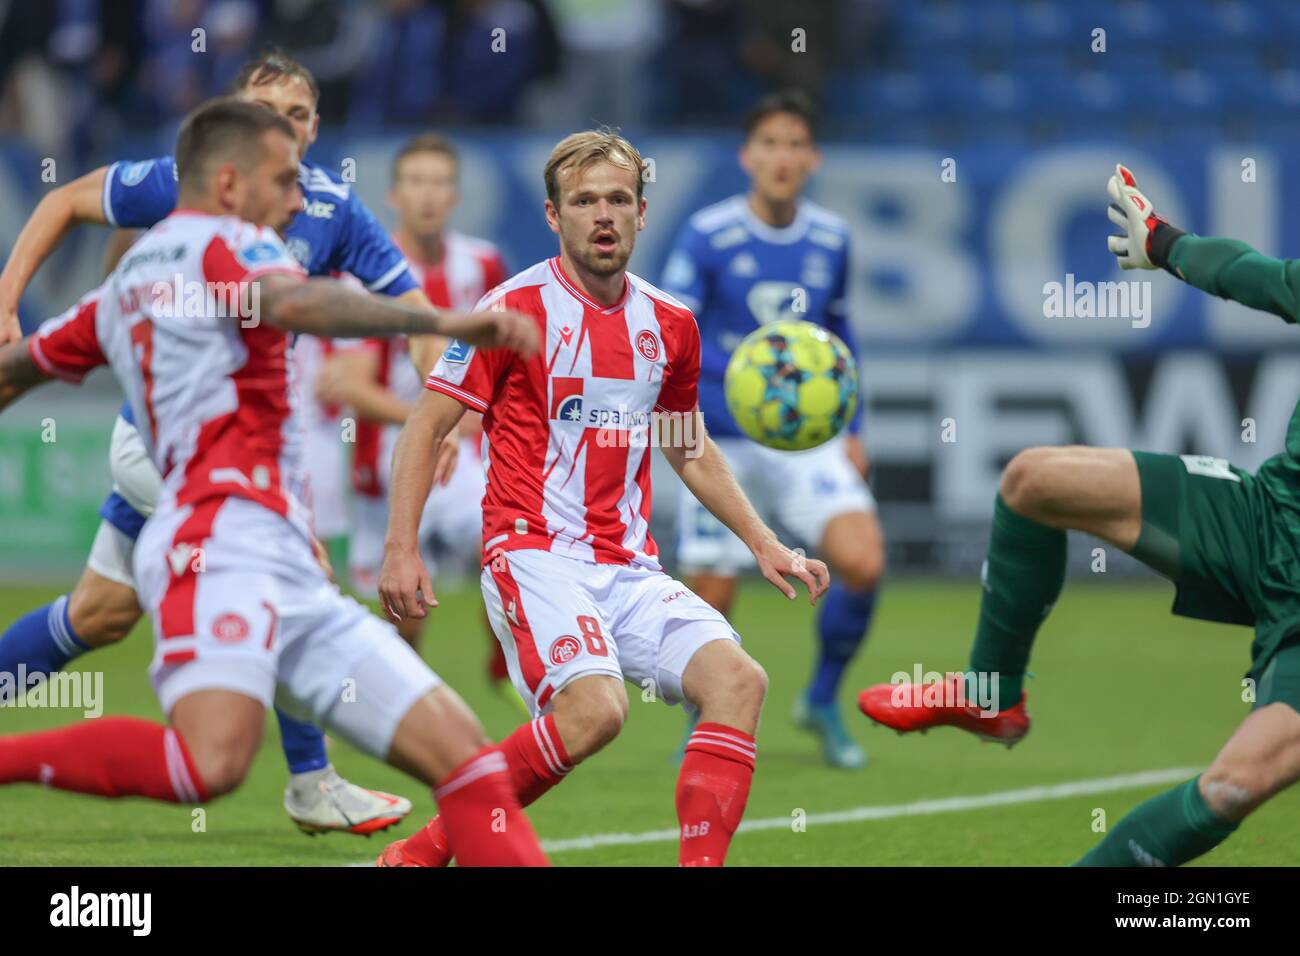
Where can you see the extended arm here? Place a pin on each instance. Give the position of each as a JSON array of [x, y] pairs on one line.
[[1228, 268], [704, 471], [18, 373], [80, 201], [330, 309], [403, 580], [1233, 270]]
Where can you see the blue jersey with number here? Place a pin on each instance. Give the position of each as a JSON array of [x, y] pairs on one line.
[[736, 273]]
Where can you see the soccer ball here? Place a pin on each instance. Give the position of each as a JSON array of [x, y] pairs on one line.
[[791, 385]]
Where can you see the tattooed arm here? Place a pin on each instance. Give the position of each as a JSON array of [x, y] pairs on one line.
[[330, 309], [19, 373]]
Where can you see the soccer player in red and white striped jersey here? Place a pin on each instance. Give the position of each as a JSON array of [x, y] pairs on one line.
[[243, 612], [571, 577]]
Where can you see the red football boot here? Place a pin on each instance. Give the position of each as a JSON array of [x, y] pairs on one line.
[[428, 847], [395, 855], [911, 707]]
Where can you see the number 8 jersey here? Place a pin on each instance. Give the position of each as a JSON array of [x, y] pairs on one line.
[[567, 433]]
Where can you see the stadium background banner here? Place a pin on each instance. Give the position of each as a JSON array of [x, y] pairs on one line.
[[959, 374]]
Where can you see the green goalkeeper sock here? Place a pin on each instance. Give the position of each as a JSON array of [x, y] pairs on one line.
[[1167, 830], [1022, 579]]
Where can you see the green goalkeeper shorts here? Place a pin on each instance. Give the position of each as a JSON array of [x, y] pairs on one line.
[[1233, 553]]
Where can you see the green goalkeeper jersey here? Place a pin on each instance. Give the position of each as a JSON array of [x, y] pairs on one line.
[[1233, 270], [1238, 534]]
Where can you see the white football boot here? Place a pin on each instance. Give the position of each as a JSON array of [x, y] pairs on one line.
[[321, 801]]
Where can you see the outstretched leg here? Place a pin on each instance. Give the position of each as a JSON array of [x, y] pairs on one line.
[[1260, 760], [205, 752], [1043, 493]]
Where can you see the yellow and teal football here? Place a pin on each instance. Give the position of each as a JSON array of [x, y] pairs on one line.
[[792, 385]]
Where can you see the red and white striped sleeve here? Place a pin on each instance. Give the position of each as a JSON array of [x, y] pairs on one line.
[[469, 374], [248, 255], [67, 346], [680, 389]]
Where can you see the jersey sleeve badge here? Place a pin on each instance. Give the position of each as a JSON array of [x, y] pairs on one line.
[[458, 353]]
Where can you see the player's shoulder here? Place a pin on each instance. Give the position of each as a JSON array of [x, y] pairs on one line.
[[235, 232], [825, 228], [719, 216], [719, 226], [319, 180], [188, 229], [234, 247], [539, 273], [513, 288], [670, 304], [198, 228], [132, 172]]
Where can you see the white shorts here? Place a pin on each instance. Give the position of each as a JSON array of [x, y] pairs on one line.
[[112, 555], [239, 604], [804, 490], [135, 477], [453, 513], [136, 482], [560, 618], [326, 468]]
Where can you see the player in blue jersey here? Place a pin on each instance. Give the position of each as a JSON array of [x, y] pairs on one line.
[[746, 261], [334, 233]]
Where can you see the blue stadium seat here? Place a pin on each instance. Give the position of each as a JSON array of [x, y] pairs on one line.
[[1237, 21], [1093, 96], [996, 23], [1283, 89], [1223, 62], [1188, 25], [1209, 67], [1043, 24], [928, 27]]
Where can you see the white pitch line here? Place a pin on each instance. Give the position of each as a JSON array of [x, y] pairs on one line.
[[1003, 798]]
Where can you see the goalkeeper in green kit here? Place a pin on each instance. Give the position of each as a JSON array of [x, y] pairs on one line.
[[1229, 540]]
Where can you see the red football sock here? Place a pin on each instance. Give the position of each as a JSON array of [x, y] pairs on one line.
[[485, 824], [712, 790], [537, 761], [107, 757]]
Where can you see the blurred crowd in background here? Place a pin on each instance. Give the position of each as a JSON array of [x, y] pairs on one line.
[[77, 74]]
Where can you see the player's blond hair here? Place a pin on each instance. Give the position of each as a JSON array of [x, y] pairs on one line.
[[577, 151]]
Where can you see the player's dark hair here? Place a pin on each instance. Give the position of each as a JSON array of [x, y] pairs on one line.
[[273, 66], [221, 129], [426, 143], [790, 102]]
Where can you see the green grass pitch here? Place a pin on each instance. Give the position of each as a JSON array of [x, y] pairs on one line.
[[1121, 687]]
